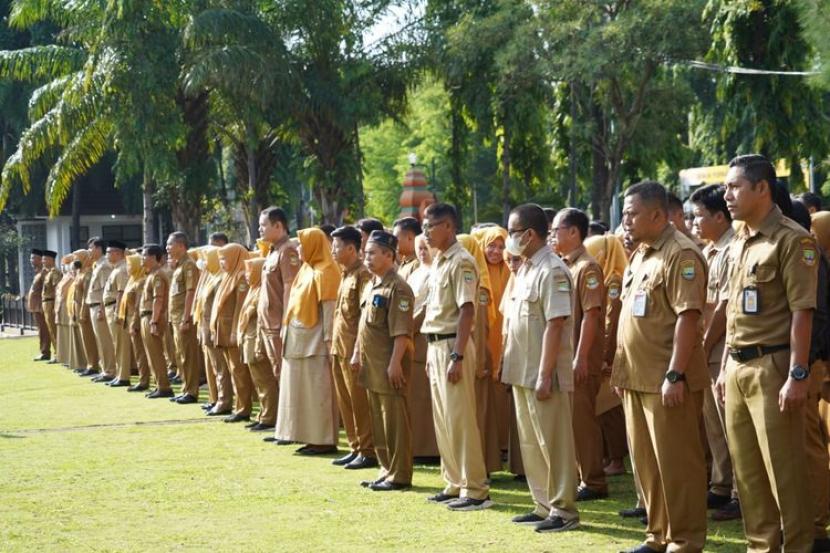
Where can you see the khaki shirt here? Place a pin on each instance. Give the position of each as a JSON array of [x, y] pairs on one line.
[[185, 278], [453, 282], [717, 284], [408, 266], [665, 279], [278, 274], [155, 289], [347, 310], [116, 283], [589, 293], [132, 299], [100, 273], [387, 306], [34, 299], [227, 319], [780, 262], [51, 279], [541, 292]]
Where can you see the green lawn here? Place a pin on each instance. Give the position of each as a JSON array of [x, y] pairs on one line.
[[87, 468]]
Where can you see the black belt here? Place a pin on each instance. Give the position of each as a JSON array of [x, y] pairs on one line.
[[146, 313], [107, 304], [742, 355], [437, 337], [47, 300], [93, 304]]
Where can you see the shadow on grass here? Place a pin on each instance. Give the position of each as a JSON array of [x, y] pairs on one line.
[[10, 436]]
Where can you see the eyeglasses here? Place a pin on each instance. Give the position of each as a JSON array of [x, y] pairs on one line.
[[515, 230], [427, 226]]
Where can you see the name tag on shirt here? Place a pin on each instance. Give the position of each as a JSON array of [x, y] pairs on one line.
[[751, 301], [639, 307]]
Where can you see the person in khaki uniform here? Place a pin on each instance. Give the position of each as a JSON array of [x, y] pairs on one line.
[[713, 223], [182, 293], [352, 398], [568, 232], [64, 334], [765, 374], [34, 304], [51, 277], [448, 326], [170, 356], [93, 362], [281, 265], [661, 372], [129, 316], [95, 300], [252, 354], [77, 359], [113, 296], [538, 365], [383, 358], [153, 315], [224, 321]]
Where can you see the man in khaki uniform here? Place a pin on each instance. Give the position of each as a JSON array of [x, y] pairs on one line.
[[384, 359], [366, 227], [51, 278], [34, 304], [182, 294], [765, 374], [568, 232], [154, 318], [281, 266], [538, 363], [448, 325], [661, 371], [713, 223], [113, 294], [352, 399], [95, 300], [170, 355]]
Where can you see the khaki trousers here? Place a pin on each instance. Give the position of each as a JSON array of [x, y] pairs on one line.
[[666, 448], [424, 443], [588, 434], [262, 376], [768, 456], [548, 453], [123, 347], [210, 376], [488, 427], [42, 333], [154, 348], [64, 343], [224, 384], [514, 449], [818, 473], [104, 340], [141, 360], [612, 424], [51, 327], [187, 350], [353, 403], [722, 481], [170, 356], [90, 345], [77, 359], [241, 378], [456, 431], [392, 436]]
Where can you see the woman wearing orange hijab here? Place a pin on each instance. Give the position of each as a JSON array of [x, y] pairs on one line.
[[224, 320], [129, 315], [307, 412], [64, 338]]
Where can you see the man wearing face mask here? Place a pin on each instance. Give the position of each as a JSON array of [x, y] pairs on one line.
[[95, 300]]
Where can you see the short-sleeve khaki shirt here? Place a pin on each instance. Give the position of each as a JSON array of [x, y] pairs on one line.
[[116, 283], [387, 307], [542, 291], [51, 279], [666, 279], [717, 285], [347, 309], [453, 282], [589, 293], [100, 273], [278, 274], [408, 266], [155, 288], [34, 299], [780, 262], [185, 278]]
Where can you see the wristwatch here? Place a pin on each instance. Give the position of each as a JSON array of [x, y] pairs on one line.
[[456, 357], [799, 373], [674, 376]]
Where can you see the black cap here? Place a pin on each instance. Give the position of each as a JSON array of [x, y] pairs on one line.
[[383, 238], [117, 245], [50, 253], [37, 252]]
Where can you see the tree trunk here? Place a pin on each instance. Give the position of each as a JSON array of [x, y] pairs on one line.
[[572, 156], [600, 198], [505, 176], [75, 232], [148, 220]]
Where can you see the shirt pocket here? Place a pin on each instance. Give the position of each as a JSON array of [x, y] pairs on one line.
[[529, 303], [377, 305]]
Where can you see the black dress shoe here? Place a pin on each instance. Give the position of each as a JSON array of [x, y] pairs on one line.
[[634, 512], [119, 383], [186, 399], [317, 450], [175, 380], [716, 501], [730, 511], [585, 493], [269, 439], [156, 394], [251, 424], [361, 462], [101, 378], [821, 545], [261, 427], [345, 460], [215, 413], [387, 486], [283, 442], [642, 548], [171, 375], [41, 358], [88, 372], [137, 388], [237, 418], [207, 406], [370, 483]]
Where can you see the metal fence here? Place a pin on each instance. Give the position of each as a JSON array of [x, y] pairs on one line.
[[13, 314]]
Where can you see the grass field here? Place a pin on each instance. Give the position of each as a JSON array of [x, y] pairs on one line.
[[87, 468]]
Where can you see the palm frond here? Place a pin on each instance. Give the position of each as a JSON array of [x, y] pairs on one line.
[[46, 96], [39, 63]]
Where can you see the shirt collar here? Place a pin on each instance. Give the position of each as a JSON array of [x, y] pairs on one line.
[[724, 240], [280, 242], [541, 254], [572, 257], [352, 268], [451, 251], [664, 236]]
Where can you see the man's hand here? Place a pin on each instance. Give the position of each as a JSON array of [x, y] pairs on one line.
[[100, 315], [580, 367], [454, 372], [720, 386], [673, 394], [543, 387], [277, 369], [793, 394], [620, 392], [395, 374], [154, 329], [355, 363]]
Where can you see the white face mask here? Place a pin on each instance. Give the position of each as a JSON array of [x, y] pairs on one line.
[[514, 246]]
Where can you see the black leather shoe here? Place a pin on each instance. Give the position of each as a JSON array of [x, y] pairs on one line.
[[634, 512], [251, 424], [41, 358], [88, 372], [171, 375], [137, 388], [186, 399], [370, 483], [237, 418], [101, 378], [207, 406], [269, 439], [175, 380], [730, 511], [155, 394], [821, 545], [387, 486], [119, 383], [261, 427], [345, 460], [642, 548], [283, 442], [361, 462], [317, 450], [215, 413], [716, 501], [585, 493]]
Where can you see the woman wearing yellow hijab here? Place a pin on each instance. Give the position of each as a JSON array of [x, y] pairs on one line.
[[485, 386], [64, 339], [224, 319], [307, 412], [253, 353], [609, 252], [129, 315], [220, 388]]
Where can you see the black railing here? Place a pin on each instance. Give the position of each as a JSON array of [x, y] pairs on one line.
[[14, 314]]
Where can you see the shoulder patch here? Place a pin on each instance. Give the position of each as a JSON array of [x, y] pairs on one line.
[[687, 269], [808, 252], [591, 281], [563, 286], [404, 305], [243, 286], [469, 276], [483, 297], [614, 291], [293, 258]]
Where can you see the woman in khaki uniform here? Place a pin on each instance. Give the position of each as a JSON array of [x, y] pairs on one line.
[[205, 364], [253, 353], [307, 412], [485, 386], [62, 312], [77, 359], [83, 339], [130, 317], [220, 399], [224, 319]]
